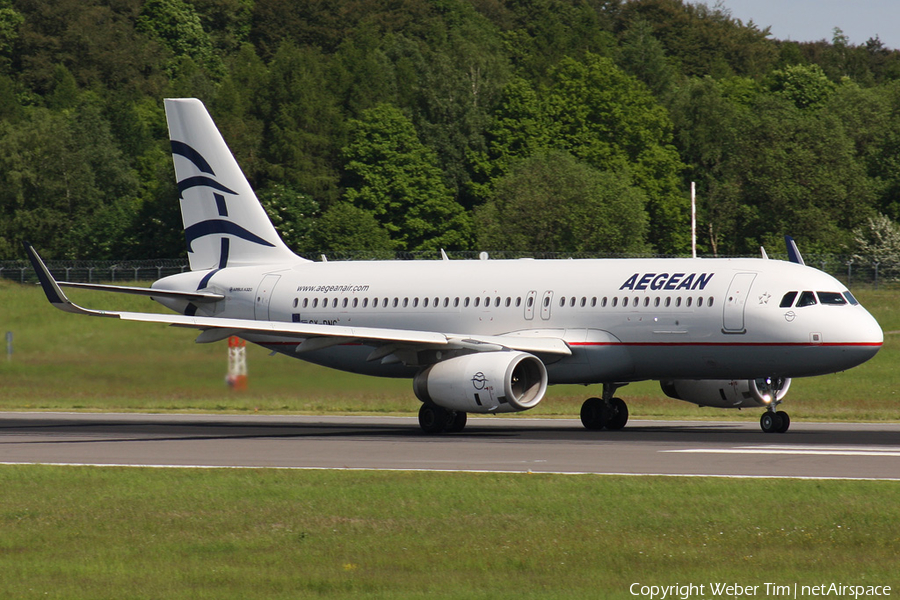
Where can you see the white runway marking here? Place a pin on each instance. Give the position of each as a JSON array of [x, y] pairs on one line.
[[794, 450]]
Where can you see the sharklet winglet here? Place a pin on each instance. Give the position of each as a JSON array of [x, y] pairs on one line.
[[52, 290]]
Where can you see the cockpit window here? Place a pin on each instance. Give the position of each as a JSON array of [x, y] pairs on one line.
[[831, 298], [806, 299], [850, 298], [788, 299]]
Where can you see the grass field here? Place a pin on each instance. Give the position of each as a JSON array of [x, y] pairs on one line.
[[167, 533], [177, 533], [65, 362]]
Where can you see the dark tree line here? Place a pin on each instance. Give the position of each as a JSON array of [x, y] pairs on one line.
[[393, 125]]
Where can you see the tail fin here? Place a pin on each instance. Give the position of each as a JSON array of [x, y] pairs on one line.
[[224, 223]]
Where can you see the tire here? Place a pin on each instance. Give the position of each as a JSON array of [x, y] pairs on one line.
[[433, 419], [619, 416], [594, 414]]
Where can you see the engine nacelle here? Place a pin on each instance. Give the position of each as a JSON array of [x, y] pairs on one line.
[[484, 382], [727, 393]]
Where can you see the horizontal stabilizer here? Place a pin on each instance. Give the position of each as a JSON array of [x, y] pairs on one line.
[[151, 292]]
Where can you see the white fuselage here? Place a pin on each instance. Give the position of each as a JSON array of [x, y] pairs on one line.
[[624, 319]]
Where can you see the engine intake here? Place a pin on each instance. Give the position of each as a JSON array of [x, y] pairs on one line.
[[727, 393], [484, 382]]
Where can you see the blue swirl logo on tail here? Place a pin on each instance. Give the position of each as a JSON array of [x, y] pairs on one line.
[[210, 226]]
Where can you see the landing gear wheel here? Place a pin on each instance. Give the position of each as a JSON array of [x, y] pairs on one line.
[[785, 421], [618, 416], [772, 422], [457, 422], [594, 414], [433, 419]]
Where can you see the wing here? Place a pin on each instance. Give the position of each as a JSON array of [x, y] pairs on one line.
[[309, 336]]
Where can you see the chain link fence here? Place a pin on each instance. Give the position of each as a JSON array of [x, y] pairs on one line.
[[852, 271]]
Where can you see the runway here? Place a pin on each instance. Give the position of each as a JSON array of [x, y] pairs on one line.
[[508, 445]]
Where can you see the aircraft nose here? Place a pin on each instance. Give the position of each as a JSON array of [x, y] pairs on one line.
[[868, 334]]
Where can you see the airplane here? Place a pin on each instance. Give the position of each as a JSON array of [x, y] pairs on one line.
[[489, 336]]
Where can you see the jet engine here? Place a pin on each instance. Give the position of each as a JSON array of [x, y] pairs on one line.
[[484, 382], [727, 393]]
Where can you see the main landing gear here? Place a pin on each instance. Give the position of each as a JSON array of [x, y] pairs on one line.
[[437, 419], [774, 421], [606, 412]]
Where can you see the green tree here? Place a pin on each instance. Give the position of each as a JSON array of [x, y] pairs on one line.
[[176, 26], [553, 202], [643, 56], [304, 126], [64, 184], [349, 230], [293, 215], [393, 175], [610, 120], [806, 86], [518, 129], [707, 129], [800, 174], [10, 21]]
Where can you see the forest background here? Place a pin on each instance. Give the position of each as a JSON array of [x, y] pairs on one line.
[[377, 126]]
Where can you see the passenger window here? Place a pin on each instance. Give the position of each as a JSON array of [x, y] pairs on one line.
[[603, 303], [788, 300], [562, 301], [615, 301], [831, 298], [530, 301], [344, 303], [355, 302], [656, 301], [710, 301], [688, 302], [636, 301], [466, 302], [334, 303], [646, 301], [315, 302], [806, 299], [593, 301], [416, 302], [478, 301], [583, 301], [365, 302]]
